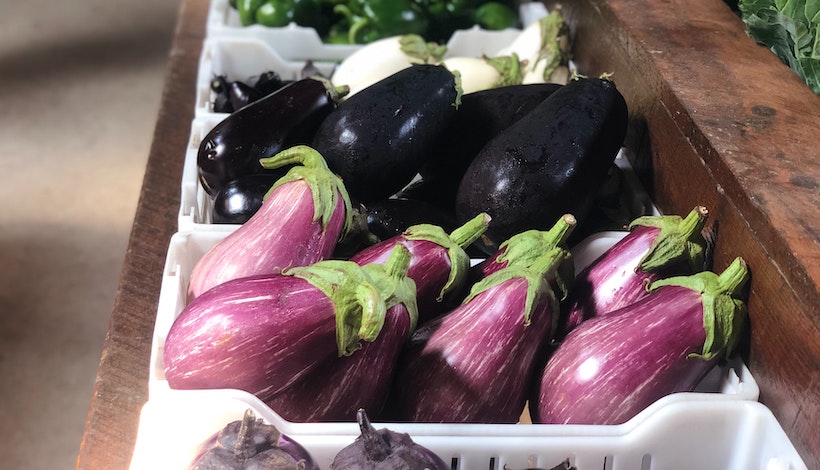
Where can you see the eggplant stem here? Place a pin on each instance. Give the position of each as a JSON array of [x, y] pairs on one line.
[[465, 235], [375, 447]]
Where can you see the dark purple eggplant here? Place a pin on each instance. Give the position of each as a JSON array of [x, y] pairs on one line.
[[476, 363], [610, 368], [266, 333], [219, 88], [251, 444], [378, 138], [655, 247], [439, 263], [550, 162], [338, 387], [299, 223], [239, 199], [268, 82], [242, 94], [481, 116], [384, 449], [287, 117], [390, 217]]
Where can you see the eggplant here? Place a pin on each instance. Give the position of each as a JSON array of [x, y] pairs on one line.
[[263, 334], [242, 94], [250, 443], [476, 363], [610, 368], [549, 162], [481, 116], [338, 387], [526, 248], [268, 82], [219, 88], [239, 199], [377, 139], [299, 223], [655, 247], [384, 449], [439, 263], [282, 119], [390, 217]]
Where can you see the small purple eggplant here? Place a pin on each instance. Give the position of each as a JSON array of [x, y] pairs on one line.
[[610, 368], [527, 247], [299, 223], [251, 444], [385, 449], [655, 247], [336, 389], [439, 264], [262, 334], [475, 363]]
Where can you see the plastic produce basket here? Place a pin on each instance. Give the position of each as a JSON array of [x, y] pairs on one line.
[[672, 434], [296, 43]]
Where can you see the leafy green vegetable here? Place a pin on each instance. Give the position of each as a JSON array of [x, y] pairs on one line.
[[791, 29]]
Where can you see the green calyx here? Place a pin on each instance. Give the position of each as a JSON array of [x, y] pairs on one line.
[[421, 51], [537, 275], [724, 311], [455, 244], [361, 295], [527, 248], [509, 69], [555, 42], [679, 239], [325, 186]]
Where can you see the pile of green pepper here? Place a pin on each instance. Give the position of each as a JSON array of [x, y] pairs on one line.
[[364, 21]]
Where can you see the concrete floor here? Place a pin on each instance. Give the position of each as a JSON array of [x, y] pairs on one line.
[[80, 86]]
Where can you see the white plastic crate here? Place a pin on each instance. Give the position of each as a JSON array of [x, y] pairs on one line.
[[672, 434], [295, 43]]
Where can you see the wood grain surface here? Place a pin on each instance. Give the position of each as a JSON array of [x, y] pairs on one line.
[[715, 119]]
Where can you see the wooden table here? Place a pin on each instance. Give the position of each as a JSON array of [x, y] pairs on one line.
[[727, 137]]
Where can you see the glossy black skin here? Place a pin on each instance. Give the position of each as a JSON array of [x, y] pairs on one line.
[[481, 116], [239, 199], [287, 117], [390, 217], [242, 94], [377, 139], [550, 162]]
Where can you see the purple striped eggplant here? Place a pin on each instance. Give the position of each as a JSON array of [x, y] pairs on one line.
[[610, 368], [527, 247], [439, 264], [336, 389], [262, 334], [475, 363], [655, 247], [299, 223], [251, 444]]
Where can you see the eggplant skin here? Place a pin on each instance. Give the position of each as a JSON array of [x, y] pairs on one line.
[[474, 363], [550, 162], [336, 389], [240, 335], [610, 368], [377, 139]]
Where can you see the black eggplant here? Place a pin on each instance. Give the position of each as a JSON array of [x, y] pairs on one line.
[[241, 94], [481, 116], [239, 199], [548, 163], [378, 138], [390, 217], [285, 118], [219, 88]]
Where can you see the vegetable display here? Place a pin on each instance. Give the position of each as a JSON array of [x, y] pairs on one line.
[[655, 247], [300, 222], [546, 163], [610, 368], [249, 444]]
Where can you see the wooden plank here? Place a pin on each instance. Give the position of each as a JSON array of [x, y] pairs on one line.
[[121, 387], [716, 119]]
